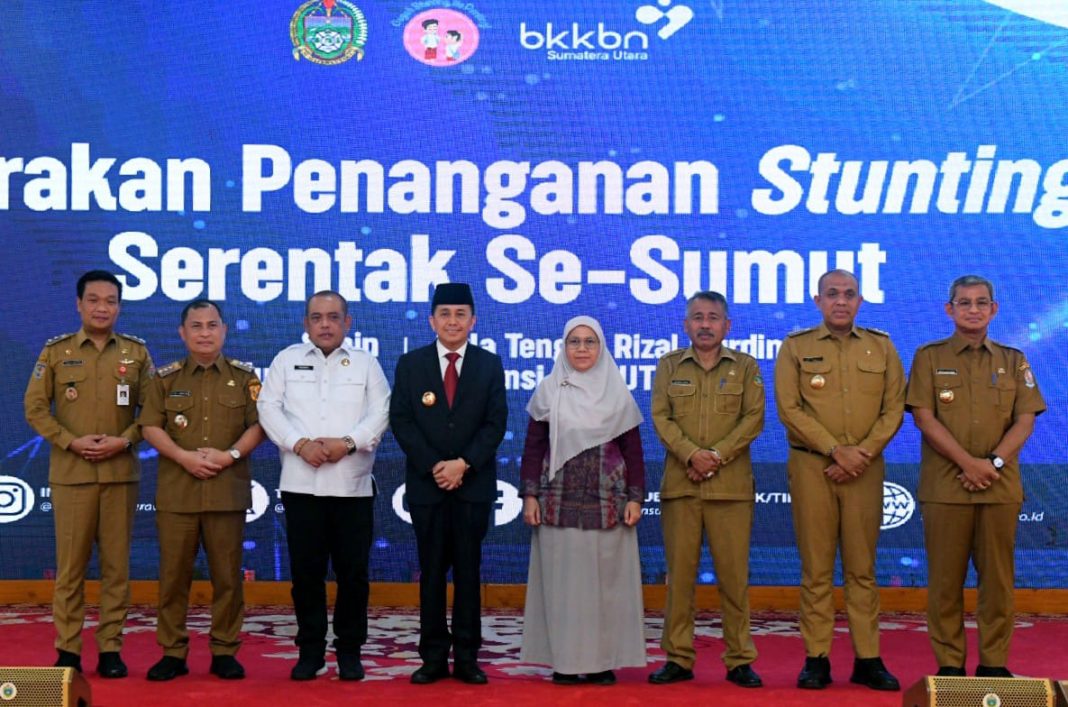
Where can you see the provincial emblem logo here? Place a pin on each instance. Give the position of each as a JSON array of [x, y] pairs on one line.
[[328, 32]]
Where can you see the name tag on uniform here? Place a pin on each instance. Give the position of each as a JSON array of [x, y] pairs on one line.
[[679, 381], [303, 368], [812, 359], [180, 394], [122, 394], [946, 371]]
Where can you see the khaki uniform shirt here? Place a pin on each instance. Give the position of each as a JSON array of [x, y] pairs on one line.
[[977, 395], [833, 391], [75, 390], [201, 406], [721, 409]]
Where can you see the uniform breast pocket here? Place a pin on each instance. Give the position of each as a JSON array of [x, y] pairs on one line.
[[69, 379], [179, 414], [1006, 394], [947, 391], [729, 399], [871, 375], [350, 394], [815, 377], [302, 384], [683, 399]]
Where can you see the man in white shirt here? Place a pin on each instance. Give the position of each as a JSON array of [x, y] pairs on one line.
[[326, 405]]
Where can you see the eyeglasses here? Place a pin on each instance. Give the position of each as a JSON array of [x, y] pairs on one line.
[[966, 304], [576, 343]]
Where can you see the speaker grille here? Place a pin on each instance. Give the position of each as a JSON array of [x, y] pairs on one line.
[[974, 692], [34, 687]]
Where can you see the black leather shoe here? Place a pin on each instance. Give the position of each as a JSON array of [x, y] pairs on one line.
[[566, 679], [66, 659], [948, 671], [605, 677], [816, 674], [469, 673], [110, 665], [430, 673], [670, 672], [349, 666], [872, 673], [989, 671], [308, 667], [168, 668], [744, 676], [226, 667]]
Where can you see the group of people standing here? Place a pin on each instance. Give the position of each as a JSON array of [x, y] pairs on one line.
[[841, 394]]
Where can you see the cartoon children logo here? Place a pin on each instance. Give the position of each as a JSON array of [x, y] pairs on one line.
[[441, 37]]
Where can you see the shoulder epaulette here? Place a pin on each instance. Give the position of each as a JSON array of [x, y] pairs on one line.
[[799, 332], [61, 337], [243, 365], [877, 332], [169, 369], [929, 344], [676, 352], [1006, 346], [131, 337]]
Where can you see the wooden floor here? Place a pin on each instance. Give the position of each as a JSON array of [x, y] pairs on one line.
[[1028, 601]]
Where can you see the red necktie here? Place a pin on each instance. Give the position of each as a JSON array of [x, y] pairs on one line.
[[451, 376]]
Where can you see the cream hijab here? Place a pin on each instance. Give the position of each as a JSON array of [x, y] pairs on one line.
[[584, 410]]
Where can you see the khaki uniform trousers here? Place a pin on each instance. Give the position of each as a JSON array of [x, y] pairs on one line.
[[827, 515], [180, 536], [85, 514], [728, 526], [986, 534]]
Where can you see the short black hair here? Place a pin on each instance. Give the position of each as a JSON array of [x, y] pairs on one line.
[[970, 281], [97, 276], [453, 33], [328, 293], [836, 271], [200, 304], [427, 23]]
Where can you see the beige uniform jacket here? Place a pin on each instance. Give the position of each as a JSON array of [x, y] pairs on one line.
[[721, 409], [75, 390], [976, 394], [203, 407], [834, 392]]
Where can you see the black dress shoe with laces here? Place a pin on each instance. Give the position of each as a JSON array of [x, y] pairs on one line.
[[349, 666], [168, 668], [605, 677], [670, 672], [816, 674], [872, 673], [566, 679], [990, 671], [66, 659], [430, 673], [469, 673], [308, 667], [744, 676], [948, 671], [226, 667], [110, 665]]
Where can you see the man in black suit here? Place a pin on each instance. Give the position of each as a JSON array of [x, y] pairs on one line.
[[448, 413]]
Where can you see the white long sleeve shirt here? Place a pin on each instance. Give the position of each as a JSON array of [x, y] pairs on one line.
[[307, 394]]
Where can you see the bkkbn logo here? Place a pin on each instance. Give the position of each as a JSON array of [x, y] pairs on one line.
[[16, 499], [677, 17]]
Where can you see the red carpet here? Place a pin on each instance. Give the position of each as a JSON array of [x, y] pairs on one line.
[[390, 656]]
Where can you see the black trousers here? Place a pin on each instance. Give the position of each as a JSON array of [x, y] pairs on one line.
[[334, 529], [449, 535]]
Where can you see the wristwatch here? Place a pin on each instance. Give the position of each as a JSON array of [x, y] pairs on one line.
[[350, 443], [997, 461], [234, 453]]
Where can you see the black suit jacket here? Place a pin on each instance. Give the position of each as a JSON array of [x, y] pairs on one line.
[[472, 429]]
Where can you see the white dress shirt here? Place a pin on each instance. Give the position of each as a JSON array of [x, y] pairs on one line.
[[307, 394], [442, 351]]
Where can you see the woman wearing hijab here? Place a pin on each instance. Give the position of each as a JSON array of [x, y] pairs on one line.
[[583, 480]]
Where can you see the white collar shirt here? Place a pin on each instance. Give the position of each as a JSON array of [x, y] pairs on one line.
[[307, 394], [444, 362]]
